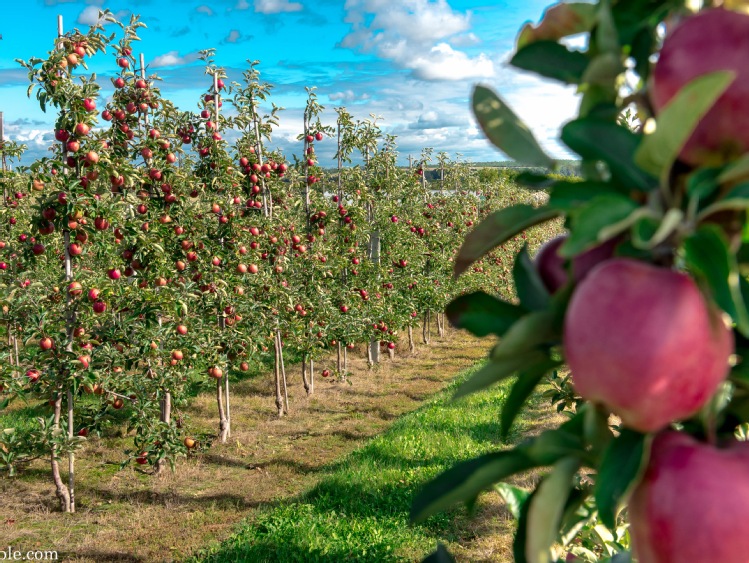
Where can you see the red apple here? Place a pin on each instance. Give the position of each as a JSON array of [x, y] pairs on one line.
[[99, 307], [692, 503], [46, 343], [642, 341], [708, 41], [551, 266]]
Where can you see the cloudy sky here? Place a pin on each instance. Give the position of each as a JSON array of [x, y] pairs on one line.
[[411, 62]]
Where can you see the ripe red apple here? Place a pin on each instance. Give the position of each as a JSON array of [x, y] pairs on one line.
[[99, 307], [692, 503], [708, 41], [182, 329], [215, 372], [551, 266], [33, 375], [89, 104], [643, 341], [83, 432], [177, 355], [114, 274], [142, 459], [75, 289], [189, 443], [81, 129], [46, 343]]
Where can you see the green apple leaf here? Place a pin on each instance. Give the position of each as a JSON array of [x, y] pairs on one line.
[[597, 139], [466, 480], [708, 256], [514, 497], [496, 229], [526, 382], [736, 199], [545, 511], [531, 290], [481, 314], [552, 60], [603, 217], [620, 469], [505, 129], [499, 369], [568, 196], [678, 120]]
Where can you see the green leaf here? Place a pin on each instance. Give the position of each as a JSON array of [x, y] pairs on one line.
[[596, 139], [526, 382], [568, 196], [679, 119], [737, 170], [521, 533], [533, 330], [514, 497], [664, 228], [534, 181], [441, 555], [598, 216], [603, 70], [496, 229], [531, 290], [497, 370], [620, 469], [709, 257], [545, 511], [481, 314], [466, 480], [736, 199], [552, 60], [552, 445], [505, 129]]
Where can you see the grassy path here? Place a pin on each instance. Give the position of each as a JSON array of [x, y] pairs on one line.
[[132, 517], [358, 511]]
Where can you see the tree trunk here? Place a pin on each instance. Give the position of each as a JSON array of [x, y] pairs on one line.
[[391, 353], [166, 417], [277, 374], [304, 374], [345, 359], [283, 374], [338, 359], [411, 341], [425, 328], [223, 425], [228, 407], [441, 325], [369, 355], [60, 489], [374, 348], [311, 377]]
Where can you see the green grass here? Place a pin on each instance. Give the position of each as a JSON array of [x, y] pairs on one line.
[[358, 511]]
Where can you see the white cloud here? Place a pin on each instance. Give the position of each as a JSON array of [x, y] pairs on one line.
[[172, 58], [233, 36], [445, 63], [242, 5], [417, 35], [89, 16], [347, 96], [203, 9], [276, 6]]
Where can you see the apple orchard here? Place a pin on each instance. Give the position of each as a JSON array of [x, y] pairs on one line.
[[147, 258]]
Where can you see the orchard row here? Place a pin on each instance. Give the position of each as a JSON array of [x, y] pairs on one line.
[[147, 255]]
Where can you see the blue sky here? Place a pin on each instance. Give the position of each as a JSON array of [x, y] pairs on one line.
[[412, 62]]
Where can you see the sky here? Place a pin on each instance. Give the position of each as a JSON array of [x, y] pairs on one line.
[[412, 63]]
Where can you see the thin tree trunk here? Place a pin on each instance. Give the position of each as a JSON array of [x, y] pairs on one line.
[[223, 426], [411, 342], [166, 417], [60, 488], [425, 328], [283, 373], [338, 358], [71, 455], [345, 359], [391, 353], [304, 374], [370, 363], [311, 377], [228, 406], [441, 325], [277, 375], [374, 351]]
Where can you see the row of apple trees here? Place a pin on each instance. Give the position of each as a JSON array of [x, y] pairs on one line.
[[147, 255]]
